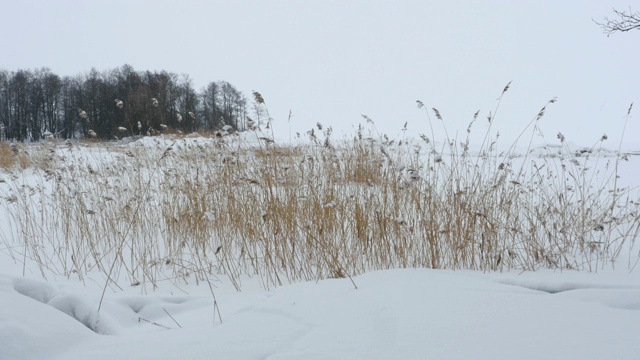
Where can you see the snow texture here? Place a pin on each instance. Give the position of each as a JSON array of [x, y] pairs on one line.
[[395, 314]]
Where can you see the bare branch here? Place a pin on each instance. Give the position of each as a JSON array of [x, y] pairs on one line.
[[625, 21]]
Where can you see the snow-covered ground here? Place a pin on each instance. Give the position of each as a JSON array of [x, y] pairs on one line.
[[395, 314], [392, 314]]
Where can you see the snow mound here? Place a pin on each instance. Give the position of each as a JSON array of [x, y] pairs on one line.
[[29, 329], [70, 304]]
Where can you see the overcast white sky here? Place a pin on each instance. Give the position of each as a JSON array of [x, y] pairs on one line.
[[330, 61]]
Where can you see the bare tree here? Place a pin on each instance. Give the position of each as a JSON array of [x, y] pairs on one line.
[[623, 21]]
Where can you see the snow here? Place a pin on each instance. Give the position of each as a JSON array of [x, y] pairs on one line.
[[392, 314]]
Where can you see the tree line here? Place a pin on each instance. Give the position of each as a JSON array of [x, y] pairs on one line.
[[35, 104]]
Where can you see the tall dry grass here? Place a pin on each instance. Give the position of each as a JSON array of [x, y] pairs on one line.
[[187, 209]]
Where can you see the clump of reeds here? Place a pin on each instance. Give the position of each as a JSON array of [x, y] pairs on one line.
[[196, 208]]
